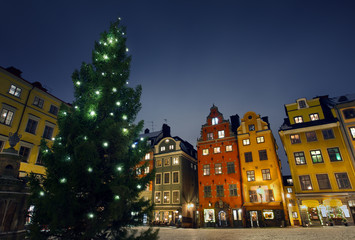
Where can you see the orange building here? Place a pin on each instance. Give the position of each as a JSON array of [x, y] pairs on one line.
[[220, 196]]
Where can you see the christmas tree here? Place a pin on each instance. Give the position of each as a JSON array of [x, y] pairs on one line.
[[91, 189]]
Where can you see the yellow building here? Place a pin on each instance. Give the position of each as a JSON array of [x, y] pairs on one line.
[[320, 164], [291, 201], [29, 110], [261, 173]]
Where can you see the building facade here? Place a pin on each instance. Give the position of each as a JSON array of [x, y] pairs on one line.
[[261, 173], [30, 111], [320, 162], [220, 196], [175, 190], [291, 201]]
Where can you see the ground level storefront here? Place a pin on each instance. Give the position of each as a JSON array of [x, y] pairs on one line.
[[264, 214]]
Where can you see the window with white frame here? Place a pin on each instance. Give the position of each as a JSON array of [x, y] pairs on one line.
[[221, 134], [206, 170], [205, 151], [299, 158], [316, 156], [218, 168], [323, 181], [176, 196], [305, 182], [342, 180], [314, 116], [217, 150], [251, 176], [157, 198], [7, 115], [215, 121], [266, 174], [147, 156], [260, 139], [166, 197], [15, 91], [176, 177], [246, 141], [146, 170], [166, 177], [298, 119], [209, 136], [233, 191], [158, 178], [229, 148], [175, 161]]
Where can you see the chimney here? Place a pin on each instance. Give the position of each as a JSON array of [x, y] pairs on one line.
[[146, 131], [235, 122], [166, 130]]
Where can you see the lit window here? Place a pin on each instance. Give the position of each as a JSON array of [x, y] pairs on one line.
[[217, 150], [260, 139], [248, 157], [206, 170], [305, 182], [294, 215], [342, 180], [147, 156], [214, 121], [299, 158], [250, 176], [6, 116], [166, 197], [167, 161], [246, 142], [328, 134], [334, 154], [295, 138], [352, 132], [209, 136], [316, 156], [221, 134], [269, 195], [298, 119], [162, 148], [15, 91], [205, 151], [218, 168], [171, 147], [157, 198], [311, 136], [314, 116], [349, 113], [38, 102], [251, 127], [175, 161], [159, 163], [229, 148], [262, 155], [138, 171], [289, 190], [323, 181], [266, 174], [146, 170]]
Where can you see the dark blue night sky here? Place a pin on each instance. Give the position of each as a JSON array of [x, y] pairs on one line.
[[239, 55]]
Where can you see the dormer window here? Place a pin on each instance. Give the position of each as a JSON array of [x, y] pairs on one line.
[[214, 121], [162, 148], [302, 103]]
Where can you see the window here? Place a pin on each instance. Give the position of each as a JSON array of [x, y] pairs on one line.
[[171, 147], [220, 191], [314, 116], [214, 121], [175, 161], [206, 170], [298, 119], [158, 178], [38, 102], [207, 191], [162, 148], [251, 176], [15, 91], [246, 142], [352, 132], [251, 127], [167, 161], [294, 215], [229, 148], [146, 170], [31, 126], [349, 113], [53, 109], [218, 168], [233, 190], [159, 163], [230, 167], [260, 139], [316, 156], [269, 195], [25, 153], [248, 157], [295, 138], [48, 132], [289, 190], [328, 134], [167, 178], [266, 174], [305, 182], [157, 198], [39, 158], [334, 154], [205, 152], [299, 158], [342, 180], [138, 171], [209, 136], [253, 196], [311, 136], [175, 177], [262, 155], [302, 104], [217, 150], [292, 202], [6, 116], [323, 181], [221, 134], [147, 156], [166, 197], [176, 196]]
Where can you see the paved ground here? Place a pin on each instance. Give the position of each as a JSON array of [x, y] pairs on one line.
[[319, 233]]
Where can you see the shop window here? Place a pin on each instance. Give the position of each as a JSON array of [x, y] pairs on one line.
[[316, 156], [229, 148], [206, 170], [248, 157], [328, 134], [157, 198], [299, 158], [342, 180], [230, 167], [323, 181], [207, 191], [295, 138], [260, 139], [334, 154], [217, 150], [220, 191], [352, 132], [38, 102], [266, 174], [15, 91], [268, 214], [167, 178], [205, 152], [209, 136], [298, 119], [233, 190], [53, 109], [215, 121], [209, 215], [176, 197], [349, 113], [305, 182], [6, 116], [251, 176], [25, 153], [314, 116], [262, 155], [311, 136], [246, 142], [158, 178], [166, 197], [221, 134], [175, 177], [218, 168], [253, 196]]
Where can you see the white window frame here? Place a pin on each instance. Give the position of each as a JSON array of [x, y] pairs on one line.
[[157, 197], [15, 93], [215, 121], [161, 179], [246, 142], [172, 177], [168, 198], [221, 134], [175, 160], [9, 109], [164, 173], [172, 197], [162, 148]]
